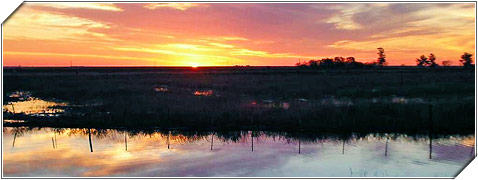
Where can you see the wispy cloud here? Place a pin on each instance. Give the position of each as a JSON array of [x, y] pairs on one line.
[[85, 5], [242, 33], [33, 24], [178, 6], [226, 38], [222, 45], [81, 55], [344, 18], [255, 53]]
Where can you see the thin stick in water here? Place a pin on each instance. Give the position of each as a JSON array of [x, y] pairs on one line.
[[125, 142], [89, 138], [386, 147], [14, 138], [13, 108], [212, 140], [169, 134], [430, 144], [252, 138], [343, 147], [299, 146]]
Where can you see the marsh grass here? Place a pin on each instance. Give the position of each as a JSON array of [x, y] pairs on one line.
[[126, 97]]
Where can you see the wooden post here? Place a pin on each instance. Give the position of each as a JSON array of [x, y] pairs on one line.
[[252, 138], [430, 116], [14, 138], [125, 142], [212, 140], [299, 146], [169, 134], [89, 138], [56, 145], [13, 108], [386, 147], [53, 142], [343, 147], [472, 150], [430, 144]]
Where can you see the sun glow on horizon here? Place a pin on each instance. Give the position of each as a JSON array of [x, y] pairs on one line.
[[109, 34]]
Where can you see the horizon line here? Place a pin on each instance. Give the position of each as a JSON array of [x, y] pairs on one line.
[[126, 66]]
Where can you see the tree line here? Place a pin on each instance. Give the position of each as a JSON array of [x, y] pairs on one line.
[[349, 62]]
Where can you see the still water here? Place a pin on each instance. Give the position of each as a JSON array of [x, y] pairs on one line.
[[83, 152]]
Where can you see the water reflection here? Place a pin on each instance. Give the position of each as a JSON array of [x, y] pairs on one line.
[[13, 121], [20, 95], [268, 104], [337, 102], [328, 101], [106, 152], [161, 88], [35, 107], [203, 92]]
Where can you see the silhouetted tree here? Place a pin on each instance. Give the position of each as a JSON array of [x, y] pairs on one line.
[[466, 59], [422, 61], [326, 62], [313, 64], [337, 62], [446, 63], [301, 64], [431, 60], [381, 57]]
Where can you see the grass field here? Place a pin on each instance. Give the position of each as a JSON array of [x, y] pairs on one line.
[[389, 99]]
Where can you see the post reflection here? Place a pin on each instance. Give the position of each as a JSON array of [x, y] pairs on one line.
[[150, 153]]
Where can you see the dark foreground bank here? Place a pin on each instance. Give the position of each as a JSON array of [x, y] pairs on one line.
[[390, 99]]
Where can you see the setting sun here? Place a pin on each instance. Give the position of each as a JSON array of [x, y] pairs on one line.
[[194, 65], [121, 34], [237, 90]]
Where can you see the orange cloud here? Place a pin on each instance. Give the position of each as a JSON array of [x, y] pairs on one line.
[[85, 5], [178, 6], [184, 34]]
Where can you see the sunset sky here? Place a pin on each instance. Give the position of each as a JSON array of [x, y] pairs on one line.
[[219, 34]]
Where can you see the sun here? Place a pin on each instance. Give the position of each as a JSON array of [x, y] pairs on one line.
[[194, 65]]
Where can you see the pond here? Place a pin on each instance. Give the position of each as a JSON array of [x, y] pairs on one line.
[[35, 107], [89, 152]]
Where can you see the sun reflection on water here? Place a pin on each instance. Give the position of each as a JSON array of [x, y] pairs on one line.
[[34, 106], [163, 153]]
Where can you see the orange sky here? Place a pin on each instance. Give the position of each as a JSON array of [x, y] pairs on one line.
[[219, 34]]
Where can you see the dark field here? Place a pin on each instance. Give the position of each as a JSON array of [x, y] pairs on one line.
[[389, 99]]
